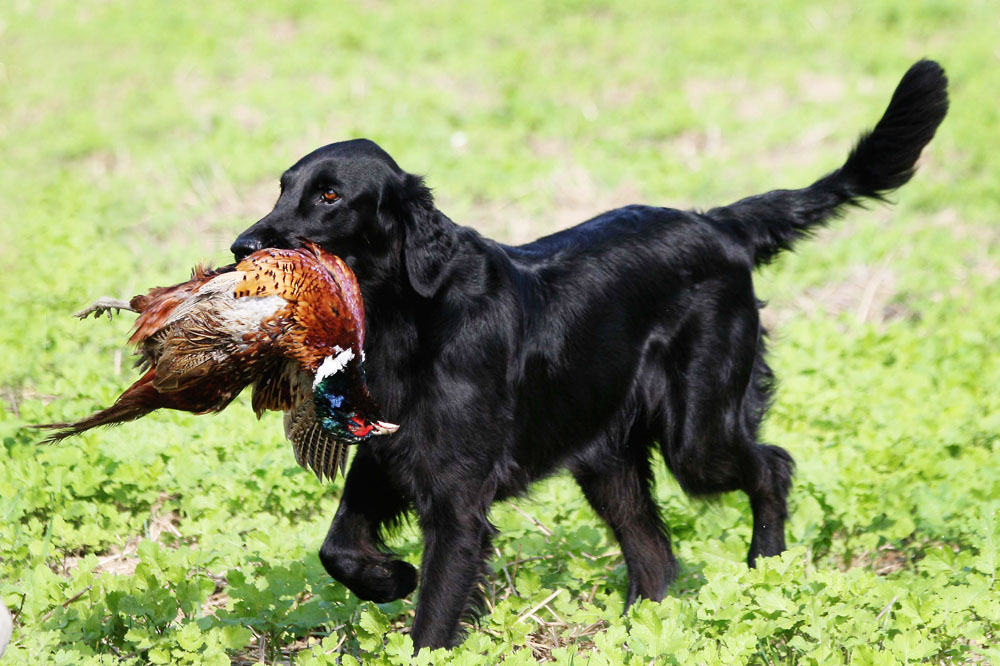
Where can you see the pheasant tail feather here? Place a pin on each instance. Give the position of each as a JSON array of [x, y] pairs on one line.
[[137, 401]]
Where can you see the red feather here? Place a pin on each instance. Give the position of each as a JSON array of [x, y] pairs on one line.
[[269, 320]]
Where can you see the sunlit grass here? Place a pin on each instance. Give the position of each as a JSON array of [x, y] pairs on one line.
[[139, 138]]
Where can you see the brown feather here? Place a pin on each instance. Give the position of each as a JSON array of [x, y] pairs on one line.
[[269, 321], [314, 448], [280, 388], [157, 305]]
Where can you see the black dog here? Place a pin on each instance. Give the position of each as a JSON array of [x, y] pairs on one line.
[[581, 350]]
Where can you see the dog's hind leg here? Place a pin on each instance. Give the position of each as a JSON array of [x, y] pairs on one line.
[[353, 550], [769, 476], [768, 491], [617, 483], [712, 462], [711, 443]]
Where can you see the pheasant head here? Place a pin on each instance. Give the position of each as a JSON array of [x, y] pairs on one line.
[[344, 408]]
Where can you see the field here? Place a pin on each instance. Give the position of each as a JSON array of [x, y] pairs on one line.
[[139, 138]]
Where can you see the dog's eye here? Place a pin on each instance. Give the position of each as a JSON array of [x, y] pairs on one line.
[[329, 195]]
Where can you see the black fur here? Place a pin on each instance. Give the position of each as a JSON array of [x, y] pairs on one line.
[[581, 350]]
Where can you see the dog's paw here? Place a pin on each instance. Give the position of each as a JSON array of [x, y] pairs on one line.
[[387, 581], [404, 575]]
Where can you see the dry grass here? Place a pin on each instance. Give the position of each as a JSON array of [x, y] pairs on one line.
[[867, 292], [14, 396], [122, 560]]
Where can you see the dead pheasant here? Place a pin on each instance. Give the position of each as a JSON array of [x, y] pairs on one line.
[[290, 322]]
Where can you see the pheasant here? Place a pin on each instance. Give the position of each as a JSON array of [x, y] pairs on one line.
[[290, 322]]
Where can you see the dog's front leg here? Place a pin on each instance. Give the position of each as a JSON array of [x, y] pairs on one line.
[[457, 540], [351, 552]]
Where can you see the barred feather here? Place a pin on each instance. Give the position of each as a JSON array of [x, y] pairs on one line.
[[314, 448], [269, 321]]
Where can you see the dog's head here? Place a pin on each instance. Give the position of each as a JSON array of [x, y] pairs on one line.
[[353, 200]]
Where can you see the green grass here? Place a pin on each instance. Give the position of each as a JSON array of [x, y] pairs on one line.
[[138, 138]]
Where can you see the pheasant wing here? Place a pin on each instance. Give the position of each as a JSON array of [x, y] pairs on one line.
[[323, 315], [287, 387], [213, 332], [314, 447], [280, 387], [157, 306], [348, 289]]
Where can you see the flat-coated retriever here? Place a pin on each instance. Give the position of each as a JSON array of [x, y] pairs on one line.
[[580, 350]]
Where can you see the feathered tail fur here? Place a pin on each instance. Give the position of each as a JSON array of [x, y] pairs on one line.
[[882, 161]]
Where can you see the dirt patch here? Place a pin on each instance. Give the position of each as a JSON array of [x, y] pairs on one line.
[[282, 30], [122, 560], [750, 101], [819, 139], [14, 396], [867, 292], [821, 88], [101, 165], [691, 147], [557, 634], [222, 199], [884, 561]]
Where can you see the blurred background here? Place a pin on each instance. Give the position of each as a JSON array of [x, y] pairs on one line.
[[166, 125], [138, 138]]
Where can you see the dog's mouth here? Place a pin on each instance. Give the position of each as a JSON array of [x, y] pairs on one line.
[[243, 247]]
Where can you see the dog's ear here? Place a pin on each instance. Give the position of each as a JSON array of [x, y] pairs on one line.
[[429, 238]]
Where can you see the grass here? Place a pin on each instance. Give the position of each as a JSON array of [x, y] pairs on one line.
[[139, 138]]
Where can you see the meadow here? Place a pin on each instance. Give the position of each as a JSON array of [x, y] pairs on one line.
[[139, 138]]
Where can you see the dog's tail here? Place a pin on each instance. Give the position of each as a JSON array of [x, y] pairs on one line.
[[882, 160]]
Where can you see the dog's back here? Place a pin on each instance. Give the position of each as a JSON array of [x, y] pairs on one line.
[[881, 161], [598, 296]]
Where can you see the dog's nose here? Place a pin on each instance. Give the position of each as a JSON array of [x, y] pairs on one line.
[[245, 245]]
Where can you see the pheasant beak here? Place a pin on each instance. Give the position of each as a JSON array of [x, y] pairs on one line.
[[360, 428], [384, 428]]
